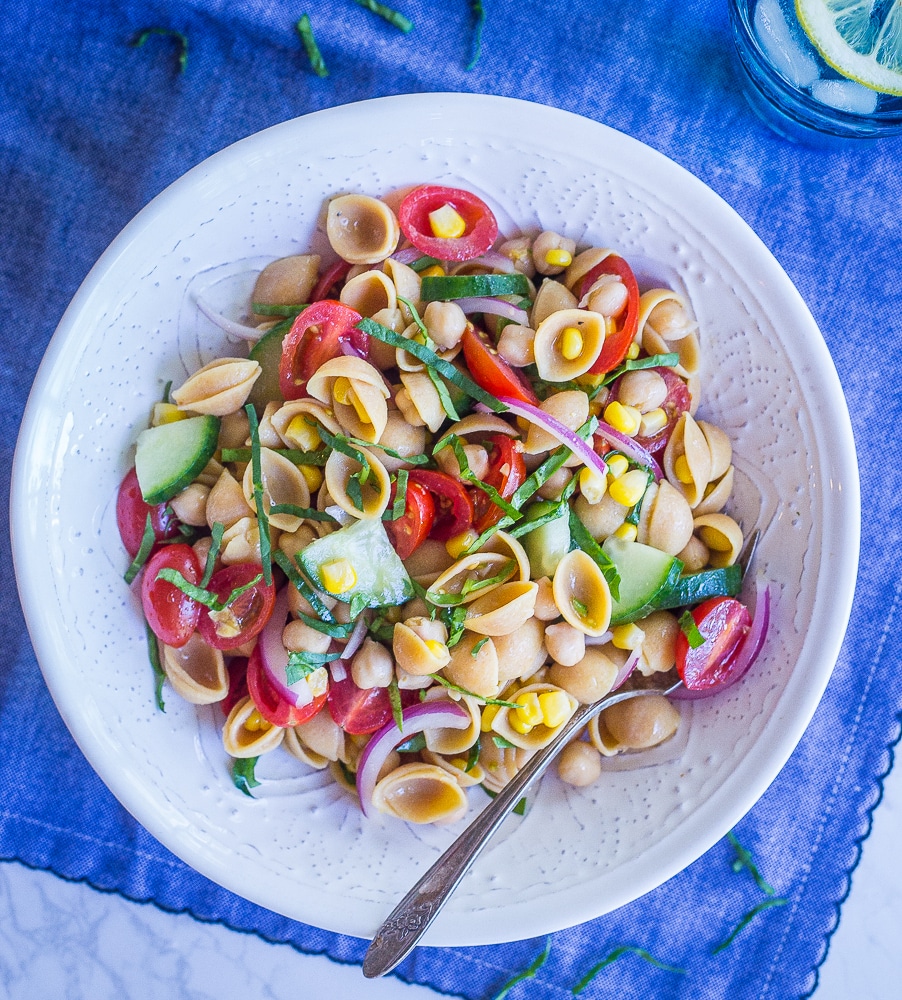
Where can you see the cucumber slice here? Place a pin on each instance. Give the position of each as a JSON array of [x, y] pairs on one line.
[[696, 587], [644, 572], [267, 352], [382, 579], [169, 457], [463, 286], [546, 545]]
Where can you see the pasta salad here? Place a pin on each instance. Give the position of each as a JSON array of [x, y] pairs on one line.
[[450, 486]]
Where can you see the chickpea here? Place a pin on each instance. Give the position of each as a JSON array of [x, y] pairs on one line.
[[566, 644], [446, 323], [372, 665], [579, 764], [645, 390], [670, 320], [589, 679], [642, 722], [515, 345], [298, 636], [607, 296], [233, 430], [517, 250]]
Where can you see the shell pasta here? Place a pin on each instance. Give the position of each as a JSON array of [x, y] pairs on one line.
[[454, 485]]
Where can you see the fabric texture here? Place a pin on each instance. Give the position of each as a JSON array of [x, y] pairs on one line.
[[92, 128]]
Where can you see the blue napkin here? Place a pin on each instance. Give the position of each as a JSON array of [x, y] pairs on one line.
[[92, 128]]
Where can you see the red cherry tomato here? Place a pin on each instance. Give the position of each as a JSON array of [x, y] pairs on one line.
[[410, 530], [237, 684], [131, 516], [454, 508], [724, 622], [362, 710], [245, 617], [171, 613], [491, 371], [270, 704], [616, 345], [315, 337], [506, 472], [675, 404], [481, 226], [329, 279]]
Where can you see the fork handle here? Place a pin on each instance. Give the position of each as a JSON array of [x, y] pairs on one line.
[[410, 919]]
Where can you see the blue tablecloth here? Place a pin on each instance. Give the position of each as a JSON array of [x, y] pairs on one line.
[[92, 128]]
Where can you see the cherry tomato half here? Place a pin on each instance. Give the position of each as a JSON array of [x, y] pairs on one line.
[[675, 404], [506, 472], [270, 704], [481, 226], [315, 337], [245, 617], [616, 345], [453, 506], [724, 623], [237, 684], [491, 371], [362, 710], [410, 530], [131, 516], [171, 614], [334, 274]]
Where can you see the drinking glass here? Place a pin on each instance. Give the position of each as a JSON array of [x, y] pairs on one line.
[[793, 90]]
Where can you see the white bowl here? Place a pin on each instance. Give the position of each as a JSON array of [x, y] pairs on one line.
[[302, 847]]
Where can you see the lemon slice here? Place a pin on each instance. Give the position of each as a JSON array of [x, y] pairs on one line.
[[862, 39]]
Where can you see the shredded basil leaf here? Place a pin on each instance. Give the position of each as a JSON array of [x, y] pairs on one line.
[[257, 475], [352, 488], [479, 23], [143, 554], [473, 755], [518, 810], [410, 459], [399, 505], [337, 630], [466, 473], [444, 396], [302, 586], [454, 619], [444, 368], [180, 37], [584, 540], [243, 774], [422, 263], [317, 457], [636, 364], [472, 694], [159, 675], [268, 309], [397, 709], [502, 743], [393, 17], [474, 652], [201, 594], [415, 744], [744, 860], [528, 973], [619, 952], [689, 629], [342, 444], [747, 919], [469, 586], [307, 513], [303, 664], [305, 32], [216, 543]]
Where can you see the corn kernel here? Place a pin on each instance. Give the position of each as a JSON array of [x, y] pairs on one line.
[[555, 706], [632, 352], [629, 488], [255, 723], [627, 636], [558, 257], [435, 271], [681, 469], [458, 545], [302, 435], [438, 649], [625, 419], [488, 717], [652, 422], [516, 723], [571, 343], [313, 476], [447, 223], [341, 390], [592, 486], [318, 681], [528, 710], [628, 532], [459, 762], [337, 575], [166, 413], [714, 539], [618, 465]]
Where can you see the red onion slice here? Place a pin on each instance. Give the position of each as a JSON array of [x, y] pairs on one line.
[[355, 639], [624, 672], [232, 329], [417, 719], [629, 447], [496, 307], [274, 656], [496, 261], [748, 651], [582, 449], [407, 255]]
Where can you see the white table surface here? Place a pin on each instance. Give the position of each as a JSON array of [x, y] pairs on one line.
[[62, 941]]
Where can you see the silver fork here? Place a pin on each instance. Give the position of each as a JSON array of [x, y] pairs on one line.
[[409, 920], [407, 923]]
